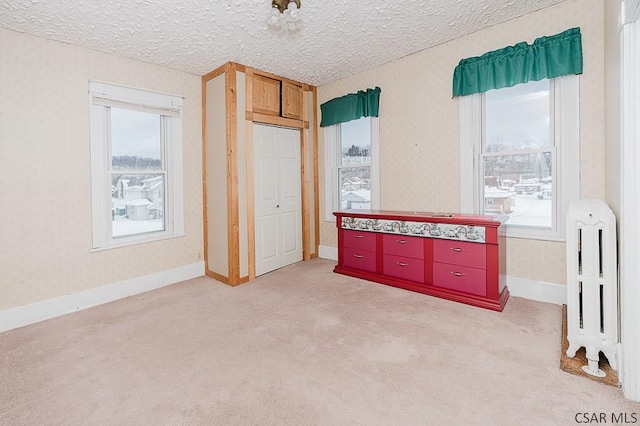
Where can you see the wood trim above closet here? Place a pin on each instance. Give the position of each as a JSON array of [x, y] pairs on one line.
[[276, 121]]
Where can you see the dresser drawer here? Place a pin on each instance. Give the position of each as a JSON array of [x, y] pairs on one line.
[[460, 253], [460, 278], [359, 240], [364, 260], [400, 245], [406, 268]]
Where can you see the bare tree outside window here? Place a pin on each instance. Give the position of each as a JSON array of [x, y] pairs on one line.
[[354, 166], [518, 154]]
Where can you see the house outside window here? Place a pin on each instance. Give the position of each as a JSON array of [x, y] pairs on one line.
[[136, 165], [519, 155], [352, 166]]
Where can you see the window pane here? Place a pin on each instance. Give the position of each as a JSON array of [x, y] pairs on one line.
[[520, 186], [517, 118], [355, 143], [137, 204], [355, 189], [135, 140]]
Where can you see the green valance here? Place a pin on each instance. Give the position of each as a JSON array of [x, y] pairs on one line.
[[350, 107], [547, 57]]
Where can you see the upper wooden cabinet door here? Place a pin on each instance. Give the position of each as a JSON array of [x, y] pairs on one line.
[[266, 95], [291, 100]]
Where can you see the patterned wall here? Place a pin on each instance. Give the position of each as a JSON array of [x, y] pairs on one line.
[[419, 125], [45, 230]]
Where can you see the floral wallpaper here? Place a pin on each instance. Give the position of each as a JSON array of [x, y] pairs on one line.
[[419, 125], [45, 231]]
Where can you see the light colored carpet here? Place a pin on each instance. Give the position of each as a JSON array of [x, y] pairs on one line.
[[298, 346]]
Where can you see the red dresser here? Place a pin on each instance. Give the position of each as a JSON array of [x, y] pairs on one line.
[[452, 256]]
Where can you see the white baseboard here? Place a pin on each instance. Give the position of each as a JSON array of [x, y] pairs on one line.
[[47, 309], [327, 252], [537, 290], [40, 311], [518, 287]]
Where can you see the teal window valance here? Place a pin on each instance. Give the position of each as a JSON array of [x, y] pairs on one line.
[[350, 107], [547, 57]]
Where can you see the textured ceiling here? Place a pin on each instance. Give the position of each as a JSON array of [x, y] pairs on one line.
[[338, 37]]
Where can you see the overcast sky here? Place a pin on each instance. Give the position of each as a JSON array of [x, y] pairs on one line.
[[356, 132], [135, 133], [518, 113]]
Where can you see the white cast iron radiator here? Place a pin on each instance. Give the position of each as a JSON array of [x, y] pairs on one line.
[[592, 283]]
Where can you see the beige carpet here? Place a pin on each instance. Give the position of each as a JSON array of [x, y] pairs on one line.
[[299, 346]]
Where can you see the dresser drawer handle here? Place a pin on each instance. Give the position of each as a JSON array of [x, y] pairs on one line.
[[457, 249], [402, 264], [458, 274], [359, 236], [401, 241], [358, 256]]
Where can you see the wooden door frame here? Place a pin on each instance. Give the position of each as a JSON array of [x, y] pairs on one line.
[[231, 139], [302, 125], [308, 189], [251, 231]]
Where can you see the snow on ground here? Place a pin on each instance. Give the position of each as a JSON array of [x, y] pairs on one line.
[[530, 211], [122, 227]]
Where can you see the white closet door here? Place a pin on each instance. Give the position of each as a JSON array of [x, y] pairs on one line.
[[278, 200]]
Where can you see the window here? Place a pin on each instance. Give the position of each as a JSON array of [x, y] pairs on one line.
[[136, 165], [519, 155], [352, 167]]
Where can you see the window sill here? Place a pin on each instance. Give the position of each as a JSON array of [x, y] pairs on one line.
[[532, 234], [137, 241]]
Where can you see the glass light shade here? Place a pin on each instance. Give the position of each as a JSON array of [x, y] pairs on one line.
[[273, 17], [288, 19], [294, 12]]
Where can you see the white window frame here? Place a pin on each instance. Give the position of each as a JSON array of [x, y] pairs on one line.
[[566, 131], [332, 145], [103, 96]]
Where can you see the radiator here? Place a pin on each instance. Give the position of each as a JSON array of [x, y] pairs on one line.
[[592, 283]]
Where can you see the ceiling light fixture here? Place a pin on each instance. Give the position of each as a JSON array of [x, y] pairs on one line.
[[285, 14]]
